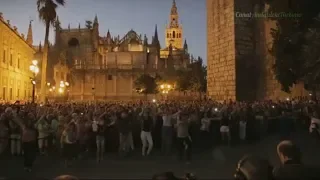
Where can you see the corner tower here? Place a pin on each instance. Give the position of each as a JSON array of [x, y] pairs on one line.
[[174, 31]]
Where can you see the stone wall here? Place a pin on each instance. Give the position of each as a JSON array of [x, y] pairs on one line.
[[245, 59], [239, 62], [221, 49]]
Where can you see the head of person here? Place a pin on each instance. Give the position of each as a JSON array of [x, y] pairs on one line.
[[288, 151], [252, 167], [124, 114], [66, 177], [8, 111]]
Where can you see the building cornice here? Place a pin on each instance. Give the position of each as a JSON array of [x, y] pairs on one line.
[[17, 33]]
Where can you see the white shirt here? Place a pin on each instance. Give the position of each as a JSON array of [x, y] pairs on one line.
[[205, 124], [167, 120]]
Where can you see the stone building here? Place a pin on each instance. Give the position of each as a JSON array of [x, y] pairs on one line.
[[239, 64], [15, 58], [105, 66]]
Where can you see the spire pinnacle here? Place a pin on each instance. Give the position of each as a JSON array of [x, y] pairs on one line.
[[156, 33], [40, 47], [174, 8], [96, 19], [30, 35], [108, 34], [185, 46]]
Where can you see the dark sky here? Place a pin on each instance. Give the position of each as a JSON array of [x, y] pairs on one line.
[[119, 16]]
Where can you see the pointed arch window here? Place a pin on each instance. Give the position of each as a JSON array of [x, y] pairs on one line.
[[170, 35], [173, 34]]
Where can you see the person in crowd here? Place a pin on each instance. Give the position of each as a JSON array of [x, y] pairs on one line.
[[291, 164], [29, 139], [314, 128], [15, 137], [224, 128], [66, 177], [205, 131], [43, 133], [68, 142], [124, 129], [252, 167], [183, 137], [146, 128], [99, 127], [167, 130]]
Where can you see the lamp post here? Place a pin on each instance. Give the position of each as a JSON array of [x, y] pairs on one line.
[[35, 70], [63, 85], [165, 88]]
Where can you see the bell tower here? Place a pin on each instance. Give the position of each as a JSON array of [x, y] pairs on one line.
[[174, 32]]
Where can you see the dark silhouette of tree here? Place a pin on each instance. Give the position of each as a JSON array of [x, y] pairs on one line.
[[47, 14], [89, 24], [290, 40], [146, 84]]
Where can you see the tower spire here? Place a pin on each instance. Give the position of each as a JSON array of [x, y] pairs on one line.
[[30, 36], [185, 46], [174, 8], [156, 33], [108, 34], [96, 20]]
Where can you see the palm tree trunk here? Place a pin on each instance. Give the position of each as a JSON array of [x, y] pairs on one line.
[[44, 63]]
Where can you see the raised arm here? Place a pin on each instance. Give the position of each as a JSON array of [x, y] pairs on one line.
[[141, 113], [175, 115]]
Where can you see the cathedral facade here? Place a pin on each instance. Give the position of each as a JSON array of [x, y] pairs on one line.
[[104, 67]]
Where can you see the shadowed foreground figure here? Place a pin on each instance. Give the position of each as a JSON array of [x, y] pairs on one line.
[[171, 176], [66, 177], [291, 164], [253, 168]]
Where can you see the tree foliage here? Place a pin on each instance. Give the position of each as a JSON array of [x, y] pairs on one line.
[[89, 24], [193, 78], [147, 84], [290, 41], [47, 14]]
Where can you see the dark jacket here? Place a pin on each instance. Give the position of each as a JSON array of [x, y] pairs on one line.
[[295, 170]]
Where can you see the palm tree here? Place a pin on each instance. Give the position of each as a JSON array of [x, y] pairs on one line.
[[47, 14]]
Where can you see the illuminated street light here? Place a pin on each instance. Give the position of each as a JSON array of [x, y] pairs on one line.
[[48, 84], [35, 70], [153, 100], [60, 90], [50, 89]]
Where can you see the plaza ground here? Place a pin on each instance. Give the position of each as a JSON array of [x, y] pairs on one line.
[[218, 163]]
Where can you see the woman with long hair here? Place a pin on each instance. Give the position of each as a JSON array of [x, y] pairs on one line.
[[68, 142]]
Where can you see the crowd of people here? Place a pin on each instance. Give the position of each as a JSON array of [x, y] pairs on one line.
[[76, 128]]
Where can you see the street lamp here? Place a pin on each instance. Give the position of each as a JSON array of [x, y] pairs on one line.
[[63, 85], [35, 70], [165, 88]]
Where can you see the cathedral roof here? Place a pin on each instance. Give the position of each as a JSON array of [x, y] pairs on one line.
[[131, 36]]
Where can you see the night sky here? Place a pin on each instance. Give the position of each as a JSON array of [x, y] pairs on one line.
[[119, 16]]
